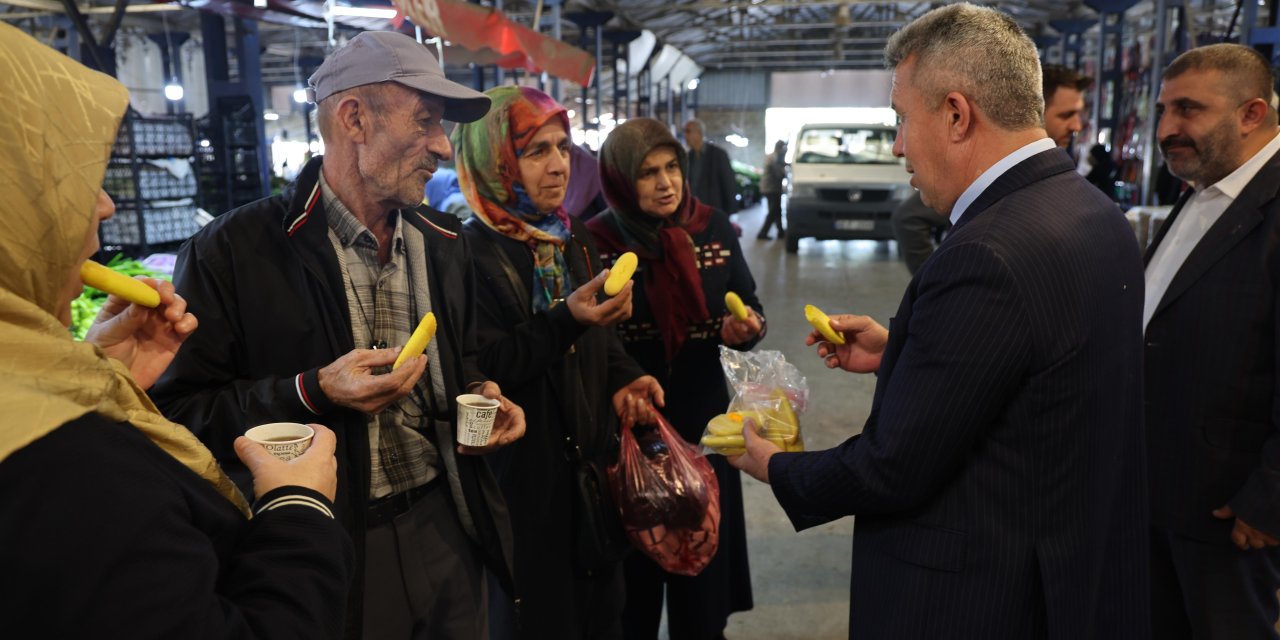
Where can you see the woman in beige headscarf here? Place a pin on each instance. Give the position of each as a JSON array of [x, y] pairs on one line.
[[115, 522]]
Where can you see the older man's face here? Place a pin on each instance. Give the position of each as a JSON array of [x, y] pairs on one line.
[[693, 135], [404, 146]]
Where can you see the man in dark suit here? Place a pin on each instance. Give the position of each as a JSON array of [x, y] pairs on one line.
[[710, 171], [999, 481], [1212, 403]]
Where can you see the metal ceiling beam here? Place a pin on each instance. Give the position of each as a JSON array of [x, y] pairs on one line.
[[800, 65], [765, 55]]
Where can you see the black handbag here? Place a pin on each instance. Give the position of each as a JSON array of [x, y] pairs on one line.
[[599, 541]]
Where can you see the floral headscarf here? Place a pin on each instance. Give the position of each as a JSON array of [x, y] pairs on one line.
[[487, 158], [673, 284]]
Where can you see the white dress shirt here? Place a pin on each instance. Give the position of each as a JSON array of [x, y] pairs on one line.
[[1201, 210], [998, 169]]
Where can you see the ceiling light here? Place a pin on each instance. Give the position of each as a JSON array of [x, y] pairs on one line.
[[300, 95], [173, 91], [270, 115]]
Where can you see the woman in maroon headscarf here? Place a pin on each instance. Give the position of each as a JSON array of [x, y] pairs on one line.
[[689, 257]]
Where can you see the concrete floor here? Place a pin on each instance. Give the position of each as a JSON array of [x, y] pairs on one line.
[[801, 580]]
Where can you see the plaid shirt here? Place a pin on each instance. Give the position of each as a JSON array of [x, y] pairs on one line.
[[385, 304]]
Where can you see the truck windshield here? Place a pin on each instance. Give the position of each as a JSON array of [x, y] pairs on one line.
[[846, 145]]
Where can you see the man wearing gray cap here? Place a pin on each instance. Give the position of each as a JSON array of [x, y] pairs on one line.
[[304, 301]]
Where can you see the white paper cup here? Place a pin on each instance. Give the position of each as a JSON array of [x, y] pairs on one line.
[[285, 440], [475, 419]]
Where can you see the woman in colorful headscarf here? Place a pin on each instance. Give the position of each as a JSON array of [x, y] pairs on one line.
[[689, 258], [114, 522], [544, 335]]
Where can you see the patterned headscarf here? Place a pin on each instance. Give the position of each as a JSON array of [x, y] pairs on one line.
[[673, 285], [487, 158]]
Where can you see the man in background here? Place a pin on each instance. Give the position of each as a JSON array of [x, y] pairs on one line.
[[1064, 91], [710, 172], [775, 173]]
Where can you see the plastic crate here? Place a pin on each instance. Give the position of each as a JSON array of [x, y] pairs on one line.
[[154, 182], [164, 222], [159, 136]]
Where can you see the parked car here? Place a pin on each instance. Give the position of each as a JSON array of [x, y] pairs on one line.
[[748, 183], [845, 183]]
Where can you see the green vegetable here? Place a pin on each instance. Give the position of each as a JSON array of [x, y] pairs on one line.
[[85, 308]]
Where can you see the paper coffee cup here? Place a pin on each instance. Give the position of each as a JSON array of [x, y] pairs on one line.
[[285, 440], [475, 419]]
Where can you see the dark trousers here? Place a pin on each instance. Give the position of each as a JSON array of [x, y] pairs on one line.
[[422, 577], [773, 217], [1212, 591], [916, 227]]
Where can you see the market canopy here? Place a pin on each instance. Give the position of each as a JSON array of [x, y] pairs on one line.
[[475, 27]]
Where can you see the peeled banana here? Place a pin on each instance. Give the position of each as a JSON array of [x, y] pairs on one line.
[[118, 284], [822, 323], [620, 273], [734, 303], [418, 341]]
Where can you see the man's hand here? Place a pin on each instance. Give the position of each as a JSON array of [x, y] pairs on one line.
[[508, 425], [864, 343], [634, 403], [734, 331], [1243, 535], [315, 469], [589, 312], [755, 462], [350, 381], [145, 340]]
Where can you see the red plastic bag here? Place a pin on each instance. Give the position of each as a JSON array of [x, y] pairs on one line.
[[668, 498]]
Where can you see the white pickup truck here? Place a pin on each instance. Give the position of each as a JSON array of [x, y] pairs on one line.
[[845, 182]]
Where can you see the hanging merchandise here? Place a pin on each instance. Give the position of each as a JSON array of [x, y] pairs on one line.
[[476, 28]]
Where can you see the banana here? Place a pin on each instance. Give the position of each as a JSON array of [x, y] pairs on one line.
[[734, 303], [822, 323], [620, 273], [114, 283], [418, 341], [721, 442]]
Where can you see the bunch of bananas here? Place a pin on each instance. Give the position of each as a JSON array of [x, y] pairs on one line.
[[776, 422]]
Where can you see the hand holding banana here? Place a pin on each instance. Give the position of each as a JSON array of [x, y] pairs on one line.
[[741, 324]]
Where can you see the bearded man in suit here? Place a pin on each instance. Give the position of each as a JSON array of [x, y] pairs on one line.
[[1213, 406]]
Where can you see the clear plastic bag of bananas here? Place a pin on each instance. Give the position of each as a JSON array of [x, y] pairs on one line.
[[768, 395]]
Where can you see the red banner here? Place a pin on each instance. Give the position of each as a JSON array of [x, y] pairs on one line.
[[476, 28]]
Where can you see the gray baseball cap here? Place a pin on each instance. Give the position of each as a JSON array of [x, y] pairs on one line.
[[388, 56]]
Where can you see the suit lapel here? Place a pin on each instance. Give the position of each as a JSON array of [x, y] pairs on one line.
[[1236, 222], [1042, 165]]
